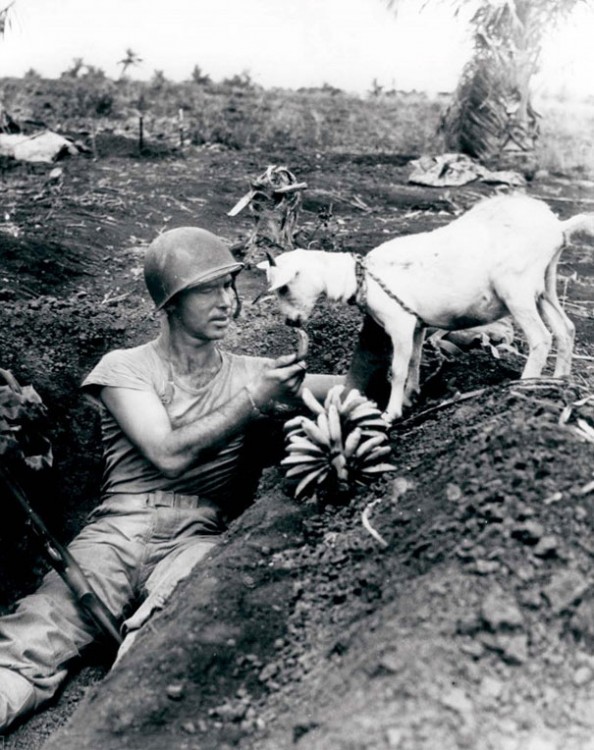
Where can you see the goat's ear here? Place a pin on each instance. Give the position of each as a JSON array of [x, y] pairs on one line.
[[278, 277]]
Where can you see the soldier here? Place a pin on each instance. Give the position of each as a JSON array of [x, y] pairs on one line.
[[175, 412]]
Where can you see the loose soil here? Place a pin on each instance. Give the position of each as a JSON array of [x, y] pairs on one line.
[[470, 626]]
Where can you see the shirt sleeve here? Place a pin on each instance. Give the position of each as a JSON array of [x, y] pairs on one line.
[[121, 369]]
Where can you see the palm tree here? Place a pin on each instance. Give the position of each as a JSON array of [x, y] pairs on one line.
[[73, 71], [131, 59], [491, 116], [5, 18]]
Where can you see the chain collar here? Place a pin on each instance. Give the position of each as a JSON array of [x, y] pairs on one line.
[[360, 296]]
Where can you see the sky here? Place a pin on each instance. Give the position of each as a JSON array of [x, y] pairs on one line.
[[286, 43]]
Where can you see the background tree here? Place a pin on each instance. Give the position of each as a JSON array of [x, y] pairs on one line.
[[130, 60], [491, 115], [199, 77], [158, 81], [77, 66]]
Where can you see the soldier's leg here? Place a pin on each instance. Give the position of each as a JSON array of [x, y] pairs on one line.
[[181, 539], [160, 585], [49, 628]]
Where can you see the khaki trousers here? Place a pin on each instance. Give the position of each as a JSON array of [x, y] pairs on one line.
[[131, 551]]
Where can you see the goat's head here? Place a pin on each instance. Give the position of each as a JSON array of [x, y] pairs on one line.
[[297, 280]]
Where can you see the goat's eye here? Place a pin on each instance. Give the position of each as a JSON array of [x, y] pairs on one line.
[[283, 290]]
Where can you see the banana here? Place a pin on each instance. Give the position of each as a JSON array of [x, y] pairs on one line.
[[378, 469], [367, 410], [300, 458], [352, 442], [333, 395], [311, 401], [340, 466], [314, 433], [369, 444], [293, 423], [307, 481], [296, 434], [303, 445], [334, 427], [294, 472], [302, 344], [375, 424], [376, 453], [322, 423], [351, 401]]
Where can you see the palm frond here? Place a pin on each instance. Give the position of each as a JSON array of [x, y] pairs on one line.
[[5, 18]]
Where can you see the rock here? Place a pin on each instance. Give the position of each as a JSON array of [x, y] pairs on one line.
[[525, 572], [529, 532], [582, 676], [230, 711], [539, 742], [531, 599], [554, 498], [175, 692], [484, 567], [514, 647], [491, 687], [582, 622], [457, 700], [565, 589], [547, 546], [453, 493], [394, 737], [499, 611], [474, 649]]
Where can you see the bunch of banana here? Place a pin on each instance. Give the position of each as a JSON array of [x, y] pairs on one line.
[[343, 443]]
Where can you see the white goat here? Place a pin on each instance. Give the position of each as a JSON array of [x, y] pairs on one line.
[[498, 259]]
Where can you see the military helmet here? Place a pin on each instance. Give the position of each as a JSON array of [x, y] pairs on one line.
[[182, 258]]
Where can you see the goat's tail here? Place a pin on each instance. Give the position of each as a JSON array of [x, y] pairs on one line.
[[580, 223]]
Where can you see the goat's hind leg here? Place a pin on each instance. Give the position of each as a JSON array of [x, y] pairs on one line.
[[562, 327], [522, 307], [413, 379]]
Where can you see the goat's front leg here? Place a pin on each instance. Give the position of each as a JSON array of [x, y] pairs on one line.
[[413, 379], [402, 333]]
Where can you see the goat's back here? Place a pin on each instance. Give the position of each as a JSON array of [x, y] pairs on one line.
[[515, 229]]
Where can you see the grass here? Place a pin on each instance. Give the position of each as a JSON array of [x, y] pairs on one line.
[[239, 114], [567, 136]]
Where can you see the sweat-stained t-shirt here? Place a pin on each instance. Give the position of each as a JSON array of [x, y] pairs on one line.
[[126, 470]]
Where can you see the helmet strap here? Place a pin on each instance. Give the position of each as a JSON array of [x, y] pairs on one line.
[[238, 304]]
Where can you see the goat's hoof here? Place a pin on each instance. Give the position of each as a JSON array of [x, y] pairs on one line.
[[410, 399]]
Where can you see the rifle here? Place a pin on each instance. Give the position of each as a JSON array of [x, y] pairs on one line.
[[22, 440], [65, 564]]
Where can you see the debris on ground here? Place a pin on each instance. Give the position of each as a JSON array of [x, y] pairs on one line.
[[274, 200], [454, 170], [39, 147]]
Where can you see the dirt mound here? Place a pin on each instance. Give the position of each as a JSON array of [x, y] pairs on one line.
[[476, 611]]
